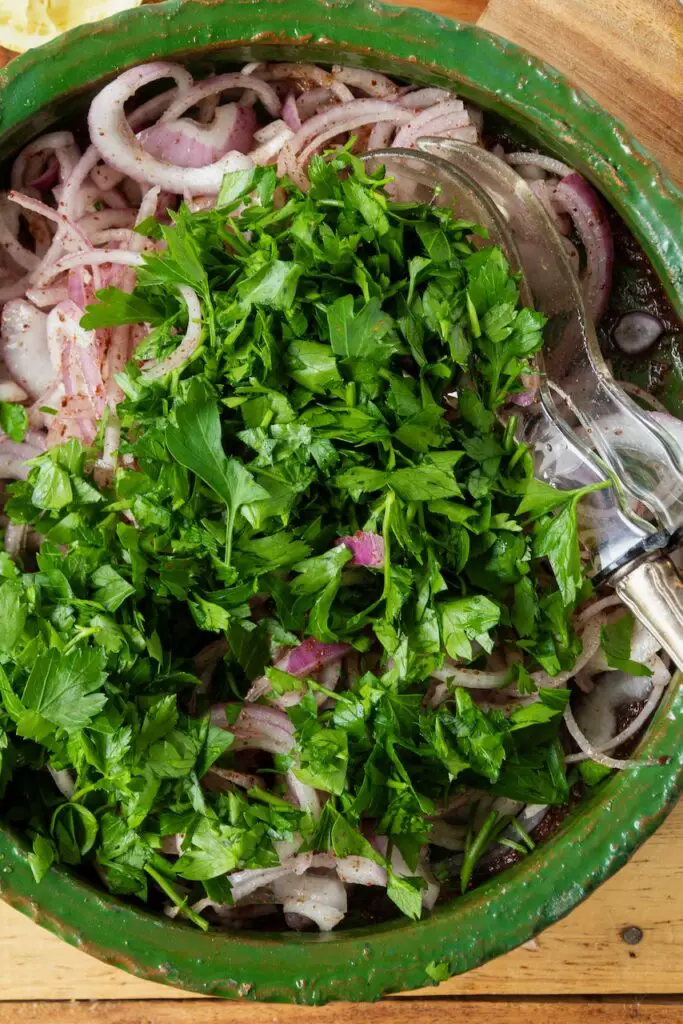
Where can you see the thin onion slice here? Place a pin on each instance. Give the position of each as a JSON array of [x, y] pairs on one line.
[[221, 83], [546, 163], [190, 342], [119, 148], [369, 82], [593, 753], [581, 202]]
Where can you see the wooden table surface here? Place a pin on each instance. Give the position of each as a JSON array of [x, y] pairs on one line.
[[629, 55]]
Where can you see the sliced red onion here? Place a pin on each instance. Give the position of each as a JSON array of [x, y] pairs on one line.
[[306, 75], [545, 192], [46, 298], [598, 608], [643, 647], [11, 392], [419, 99], [271, 131], [49, 178], [246, 882], [172, 846], [118, 146], [581, 202], [467, 133], [361, 871], [290, 113], [314, 101], [447, 836], [25, 348], [16, 536], [10, 244], [14, 456], [72, 200], [105, 178], [206, 662], [329, 676], [220, 778], [319, 897], [302, 795], [92, 258], [258, 728], [75, 350], [367, 549], [595, 755], [333, 122], [369, 82], [637, 332], [219, 84], [339, 125], [531, 382], [270, 149], [125, 237], [590, 639], [311, 655], [450, 114], [431, 893], [105, 468], [596, 713], [63, 781], [470, 678], [147, 113], [53, 142], [188, 143], [117, 357], [381, 135], [188, 345], [305, 660], [73, 235], [658, 682], [545, 163]]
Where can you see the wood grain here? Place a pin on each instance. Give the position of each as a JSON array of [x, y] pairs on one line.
[[434, 1011], [583, 955], [628, 54]]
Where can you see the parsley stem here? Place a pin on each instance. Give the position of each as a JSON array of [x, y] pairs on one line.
[[180, 903], [521, 451], [387, 543], [478, 845], [229, 529], [81, 635], [83, 791]]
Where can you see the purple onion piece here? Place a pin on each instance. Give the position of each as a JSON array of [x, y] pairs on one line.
[[367, 549]]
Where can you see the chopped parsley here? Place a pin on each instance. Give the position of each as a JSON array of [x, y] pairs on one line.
[[355, 361]]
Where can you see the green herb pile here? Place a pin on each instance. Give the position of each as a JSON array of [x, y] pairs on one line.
[[355, 359]]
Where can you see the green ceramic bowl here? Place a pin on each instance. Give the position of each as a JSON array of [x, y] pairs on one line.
[[601, 835]]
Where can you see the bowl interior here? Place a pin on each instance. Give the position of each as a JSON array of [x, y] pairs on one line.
[[597, 838]]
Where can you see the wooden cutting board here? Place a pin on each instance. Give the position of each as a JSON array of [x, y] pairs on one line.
[[618, 957]]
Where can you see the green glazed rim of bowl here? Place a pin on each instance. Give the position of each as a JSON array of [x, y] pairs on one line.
[[603, 832]]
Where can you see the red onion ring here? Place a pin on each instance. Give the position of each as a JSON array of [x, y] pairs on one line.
[[187, 143], [576, 197], [188, 345], [119, 148], [545, 163], [370, 82], [451, 114], [219, 84]]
